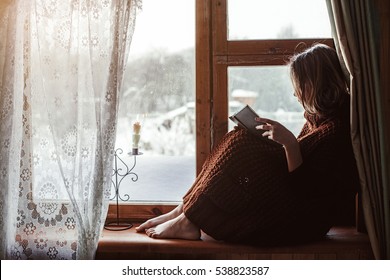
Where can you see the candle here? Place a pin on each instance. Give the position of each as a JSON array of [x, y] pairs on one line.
[[136, 128], [136, 137]]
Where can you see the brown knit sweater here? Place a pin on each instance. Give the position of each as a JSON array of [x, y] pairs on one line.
[[245, 193]]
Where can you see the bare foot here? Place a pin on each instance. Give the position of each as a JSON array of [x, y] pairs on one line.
[[179, 227], [160, 219]]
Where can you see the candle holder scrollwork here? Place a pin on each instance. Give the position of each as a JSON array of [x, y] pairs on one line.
[[116, 179]]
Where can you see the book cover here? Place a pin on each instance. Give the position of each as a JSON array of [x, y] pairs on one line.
[[245, 118]]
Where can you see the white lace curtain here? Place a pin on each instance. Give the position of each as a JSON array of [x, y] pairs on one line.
[[61, 67]]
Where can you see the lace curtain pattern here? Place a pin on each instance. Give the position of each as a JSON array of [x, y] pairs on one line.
[[61, 68]]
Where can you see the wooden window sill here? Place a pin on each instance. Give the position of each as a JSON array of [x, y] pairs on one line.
[[340, 243]]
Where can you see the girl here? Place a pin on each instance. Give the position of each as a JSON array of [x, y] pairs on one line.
[[276, 188]]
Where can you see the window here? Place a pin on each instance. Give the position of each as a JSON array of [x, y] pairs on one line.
[[232, 58], [240, 47], [159, 92]]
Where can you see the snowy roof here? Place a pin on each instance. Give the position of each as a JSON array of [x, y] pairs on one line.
[[244, 93]]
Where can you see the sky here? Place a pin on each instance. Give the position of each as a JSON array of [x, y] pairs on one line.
[[263, 19], [164, 23], [171, 23]]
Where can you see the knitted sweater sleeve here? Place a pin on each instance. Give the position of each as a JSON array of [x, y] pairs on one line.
[[317, 174], [328, 170]]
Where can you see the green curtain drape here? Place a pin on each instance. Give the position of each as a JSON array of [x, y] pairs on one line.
[[355, 26]]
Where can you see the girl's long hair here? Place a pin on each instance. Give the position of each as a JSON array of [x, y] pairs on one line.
[[318, 80]]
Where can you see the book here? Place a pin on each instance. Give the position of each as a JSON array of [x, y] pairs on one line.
[[245, 118]]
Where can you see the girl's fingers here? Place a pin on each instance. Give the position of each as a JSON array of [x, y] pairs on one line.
[[264, 127], [267, 133]]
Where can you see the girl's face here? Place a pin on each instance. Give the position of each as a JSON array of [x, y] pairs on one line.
[[295, 95], [296, 92], [304, 97]]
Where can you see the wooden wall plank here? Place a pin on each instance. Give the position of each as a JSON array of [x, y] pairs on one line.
[[219, 10], [220, 101], [203, 81]]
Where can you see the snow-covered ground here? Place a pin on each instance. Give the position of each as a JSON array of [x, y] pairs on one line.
[[160, 178]]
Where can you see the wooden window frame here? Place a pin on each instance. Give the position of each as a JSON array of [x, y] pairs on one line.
[[214, 54]]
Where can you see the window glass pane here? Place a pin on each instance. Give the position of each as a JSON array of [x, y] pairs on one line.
[[277, 19], [268, 90], [159, 91]]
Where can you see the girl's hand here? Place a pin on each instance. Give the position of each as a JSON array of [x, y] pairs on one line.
[[278, 133]]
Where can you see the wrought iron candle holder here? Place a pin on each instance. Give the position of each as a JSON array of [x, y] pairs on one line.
[[116, 179]]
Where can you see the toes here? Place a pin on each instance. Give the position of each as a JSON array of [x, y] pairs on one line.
[[150, 232], [142, 227]]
